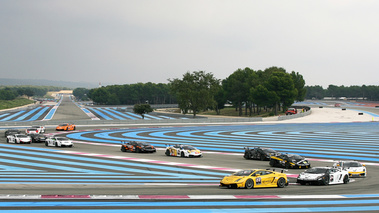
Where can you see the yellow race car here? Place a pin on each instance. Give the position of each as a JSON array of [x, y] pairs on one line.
[[255, 178]]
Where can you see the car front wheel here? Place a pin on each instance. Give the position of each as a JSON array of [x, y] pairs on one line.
[[345, 179], [249, 184], [281, 183], [325, 181]]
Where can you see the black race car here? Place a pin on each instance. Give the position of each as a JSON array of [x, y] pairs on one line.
[[259, 153], [37, 138], [11, 132], [289, 161], [136, 146]]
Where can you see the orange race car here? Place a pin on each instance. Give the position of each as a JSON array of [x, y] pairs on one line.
[[66, 127]]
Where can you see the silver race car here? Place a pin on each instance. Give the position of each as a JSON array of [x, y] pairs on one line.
[[323, 176], [182, 151], [354, 168]]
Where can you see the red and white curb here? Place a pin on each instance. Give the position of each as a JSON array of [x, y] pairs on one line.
[[178, 197]]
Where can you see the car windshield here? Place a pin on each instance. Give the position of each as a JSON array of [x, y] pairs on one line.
[[63, 125], [268, 150], [317, 170], [295, 157], [244, 173], [32, 129], [61, 138], [352, 164], [188, 147], [143, 144], [22, 136]]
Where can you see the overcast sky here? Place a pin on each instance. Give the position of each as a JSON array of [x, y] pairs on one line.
[[129, 41]]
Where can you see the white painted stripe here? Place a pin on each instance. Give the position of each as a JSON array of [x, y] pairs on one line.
[[197, 197], [131, 197], [211, 197], [20, 196]]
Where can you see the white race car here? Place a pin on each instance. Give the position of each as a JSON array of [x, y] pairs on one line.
[[323, 176], [58, 141], [41, 129], [19, 138], [354, 168], [32, 131], [182, 151]]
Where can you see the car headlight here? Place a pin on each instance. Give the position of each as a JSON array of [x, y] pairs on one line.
[[238, 180]]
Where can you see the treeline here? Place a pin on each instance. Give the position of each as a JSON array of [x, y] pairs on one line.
[[369, 93], [255, 90], [12, 92], [127, 94]]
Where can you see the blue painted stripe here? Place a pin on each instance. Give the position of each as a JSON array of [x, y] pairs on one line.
[[13, 115], [135, 115], [102, 114], [125, 115], [49, 115], [124, 164], [37, 115], [44, 165], [4, 115], [216, 210], [86, 110], [27, 114], [365, 112], [187, 203], [161, 136], [152, 117], [110, 112]]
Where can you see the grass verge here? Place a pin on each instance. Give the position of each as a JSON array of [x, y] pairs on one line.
[[4, 104]]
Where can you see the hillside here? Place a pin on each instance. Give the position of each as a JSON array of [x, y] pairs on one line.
[[44, 82]]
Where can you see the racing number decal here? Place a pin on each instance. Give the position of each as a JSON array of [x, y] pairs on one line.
[[340, 177], [258, 180]]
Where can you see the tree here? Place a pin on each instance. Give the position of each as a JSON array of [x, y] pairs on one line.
[[81, 93], [314, 92], [99, 95], [299, 84], [142, 109], [220, 99], [263, 97], [282, 84], [237, 87], [7, 94], [195, 91]]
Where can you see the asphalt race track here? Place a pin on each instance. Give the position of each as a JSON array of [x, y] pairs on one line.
[[95, 175]]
